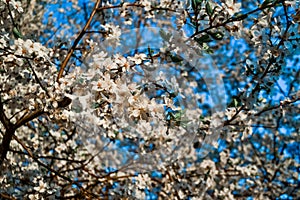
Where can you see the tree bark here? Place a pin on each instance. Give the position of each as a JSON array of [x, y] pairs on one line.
[[5, 144]]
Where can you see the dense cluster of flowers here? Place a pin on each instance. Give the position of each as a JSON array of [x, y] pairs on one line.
[[127, 99]]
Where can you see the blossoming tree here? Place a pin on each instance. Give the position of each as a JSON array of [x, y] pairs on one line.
[[149, 99]]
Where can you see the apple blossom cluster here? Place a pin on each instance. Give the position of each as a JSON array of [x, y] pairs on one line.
[[149, 99], [109, 100], [28, 77]]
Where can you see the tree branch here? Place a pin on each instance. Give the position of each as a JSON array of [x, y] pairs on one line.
[[77, 40]]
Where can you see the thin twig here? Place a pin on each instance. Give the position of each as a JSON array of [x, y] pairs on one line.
[[77, 40]]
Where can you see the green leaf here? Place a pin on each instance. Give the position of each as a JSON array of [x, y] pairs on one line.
[[235, 102], [239, 16], [17, 33], [164, 35], [217, 35], [176, 58], [208, 9], [201, 117], [96, 105], [202, 39], [207, 48], [179, 114], [196, 4]]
